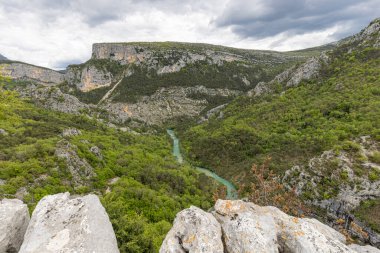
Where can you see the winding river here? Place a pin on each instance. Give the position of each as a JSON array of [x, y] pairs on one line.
[[231, 190]]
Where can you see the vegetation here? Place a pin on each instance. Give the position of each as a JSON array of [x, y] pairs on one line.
[[368, 211], [142, 204], [298, 124]]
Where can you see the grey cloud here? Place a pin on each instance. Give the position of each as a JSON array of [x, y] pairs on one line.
[[266, 18]]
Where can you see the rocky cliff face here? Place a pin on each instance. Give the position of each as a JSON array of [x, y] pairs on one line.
[[22, 71], [237, 226], [357, 173]]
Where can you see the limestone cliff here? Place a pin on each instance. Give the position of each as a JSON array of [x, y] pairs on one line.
[[26, 72]]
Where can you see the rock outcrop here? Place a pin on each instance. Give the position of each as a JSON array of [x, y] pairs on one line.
[[64, 224], [194, 230], [23, 71], [353, 178], [88, 78], [14, 220], [247, 227], [79, 168], [54, 99], [167, 103]]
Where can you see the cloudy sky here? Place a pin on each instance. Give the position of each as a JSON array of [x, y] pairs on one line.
[[55, 33]]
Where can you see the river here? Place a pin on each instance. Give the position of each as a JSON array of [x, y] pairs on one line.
[[231, 190]]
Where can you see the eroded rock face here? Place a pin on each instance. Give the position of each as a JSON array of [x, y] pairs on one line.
[[79, 168], [23, 71], [247, 227], [14, 220], [54, 99], [194, 230], [88, 78], [165, 104], [63, 224]]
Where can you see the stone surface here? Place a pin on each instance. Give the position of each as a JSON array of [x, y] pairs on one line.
[[165, 104], [3, 132], [63, 224], [14, 220], [96, 151], [88, 78], [23, 71], [79, 168], [69, 132], [54, 99], [194, 230], [364, 249], [247, 227]]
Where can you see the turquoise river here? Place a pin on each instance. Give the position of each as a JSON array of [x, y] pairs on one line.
[[231, 190]]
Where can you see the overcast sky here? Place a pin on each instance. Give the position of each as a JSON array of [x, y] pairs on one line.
[[55, 33]]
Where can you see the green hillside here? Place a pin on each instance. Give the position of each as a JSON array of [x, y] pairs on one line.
[[141, 204], [297, 124]]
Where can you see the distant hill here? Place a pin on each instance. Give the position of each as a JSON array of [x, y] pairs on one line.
[[2, 58]]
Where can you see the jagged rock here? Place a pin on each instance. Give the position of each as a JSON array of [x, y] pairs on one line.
[[194, 231], [212, 112], [54, 99], [88, 78], [113, 180], [247, 227], [293, 76], [165, 104], [69, 132], [364, 249], [96, 151], [63, 224], [307, 71], [14, 220], [23, 71], [79, 168], [246, 230]]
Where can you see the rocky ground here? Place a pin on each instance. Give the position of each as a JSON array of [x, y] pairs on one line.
[[237, 226]]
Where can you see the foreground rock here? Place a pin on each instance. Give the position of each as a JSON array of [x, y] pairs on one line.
[[14, 219], [194, 230], [63, 224], [247, 227]]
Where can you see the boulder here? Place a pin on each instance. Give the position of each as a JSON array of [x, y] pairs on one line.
[[64, 224], [246, 227], [239, 226], [194, 230], [69, 132], [14, 220]]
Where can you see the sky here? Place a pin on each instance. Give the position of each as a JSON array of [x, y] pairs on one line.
[[55, 33]]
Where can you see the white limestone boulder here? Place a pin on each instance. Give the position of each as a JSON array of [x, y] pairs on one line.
[[63, 224], [14, 219], [195, 231]]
